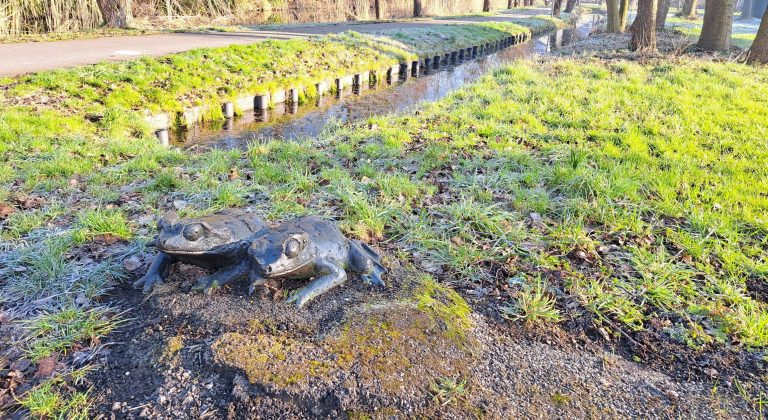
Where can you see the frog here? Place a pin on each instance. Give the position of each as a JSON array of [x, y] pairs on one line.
[[217, 242], [311, 247]]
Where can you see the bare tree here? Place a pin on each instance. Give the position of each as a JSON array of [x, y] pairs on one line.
[[116, 13], [486, 5], [570, 5], [644, 26], [377, 9], [623, 14], [417, 11], [689, 9], [758, 52], [614, 21], [556, 7], [718, 22], [661, 14]]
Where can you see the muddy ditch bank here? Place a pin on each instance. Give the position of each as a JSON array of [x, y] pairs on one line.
[[408, 350]]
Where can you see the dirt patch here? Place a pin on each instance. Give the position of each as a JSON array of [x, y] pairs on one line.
[[608, 44], [365, 353]]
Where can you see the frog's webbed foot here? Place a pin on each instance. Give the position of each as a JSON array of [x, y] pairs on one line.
[[334, 276], [255, 281], [154, 273], [148, 282], [213, 281], [374, 276]]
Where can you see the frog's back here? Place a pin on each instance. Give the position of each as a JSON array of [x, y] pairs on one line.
[[243, 225]]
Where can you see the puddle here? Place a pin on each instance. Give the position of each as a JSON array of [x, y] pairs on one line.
[[291, 121]]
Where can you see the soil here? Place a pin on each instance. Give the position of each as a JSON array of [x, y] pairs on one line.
[[360, 352]]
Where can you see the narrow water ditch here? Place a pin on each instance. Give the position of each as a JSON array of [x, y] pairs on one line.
[[291, 121]]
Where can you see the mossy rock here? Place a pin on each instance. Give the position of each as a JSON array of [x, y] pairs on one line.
[[386, 347]]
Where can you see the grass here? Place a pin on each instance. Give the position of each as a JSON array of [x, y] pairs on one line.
[[644, 178], [448, 391], [533, 305], [72, 35], [635, 189], [743, 31], [53, 333], [102, 222], [75, 140], [48, 401]]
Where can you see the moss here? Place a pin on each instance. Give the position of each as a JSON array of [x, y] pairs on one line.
[[277, 361], [560, 399], [173, 347], [445, 305], [397, 345], [391, 346]]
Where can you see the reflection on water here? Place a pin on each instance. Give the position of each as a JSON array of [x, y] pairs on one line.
[[561, 38], [290, 121]]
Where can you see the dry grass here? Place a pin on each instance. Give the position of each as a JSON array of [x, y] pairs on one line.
[[19, 17], [30, 16]]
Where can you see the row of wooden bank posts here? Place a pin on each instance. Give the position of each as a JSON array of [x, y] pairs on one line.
[[163, 122]]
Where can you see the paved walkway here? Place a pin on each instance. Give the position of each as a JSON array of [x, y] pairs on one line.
[[30, 57]]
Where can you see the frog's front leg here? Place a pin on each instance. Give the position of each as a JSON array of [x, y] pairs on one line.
[[332, 275], [210, 282], [154, 273], [366, 262], [255, 281]]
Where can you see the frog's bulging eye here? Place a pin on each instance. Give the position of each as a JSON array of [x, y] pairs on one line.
[[292, 248], [193, 232]]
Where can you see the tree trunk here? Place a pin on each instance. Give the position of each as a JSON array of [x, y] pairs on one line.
[[556, 7], [644, 26], [570, 5], [689, 9], [417, 8], [746, 10], [116, 13], [661, 14], [718, 21], [377, 9], [614, 22], [486, 5], [758, 52], [509, 4], [623, 14]]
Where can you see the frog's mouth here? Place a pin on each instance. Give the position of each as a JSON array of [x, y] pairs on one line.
[[275, 269], [207, 251]]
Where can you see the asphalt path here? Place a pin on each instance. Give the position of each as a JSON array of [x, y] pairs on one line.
[[29, 57]]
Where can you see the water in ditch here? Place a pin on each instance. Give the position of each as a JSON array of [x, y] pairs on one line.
[[294, 121]]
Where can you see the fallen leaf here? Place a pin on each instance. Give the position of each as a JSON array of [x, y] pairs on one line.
[[46, 366], [6, 211]]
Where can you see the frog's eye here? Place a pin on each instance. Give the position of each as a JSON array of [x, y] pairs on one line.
[[292, 248], [194, 232]]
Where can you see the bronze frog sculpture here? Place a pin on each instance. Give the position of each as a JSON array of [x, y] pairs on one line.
[[310, 247], [216, 242]]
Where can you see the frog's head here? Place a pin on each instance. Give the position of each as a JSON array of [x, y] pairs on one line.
[[189, 236], [280, 253]]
